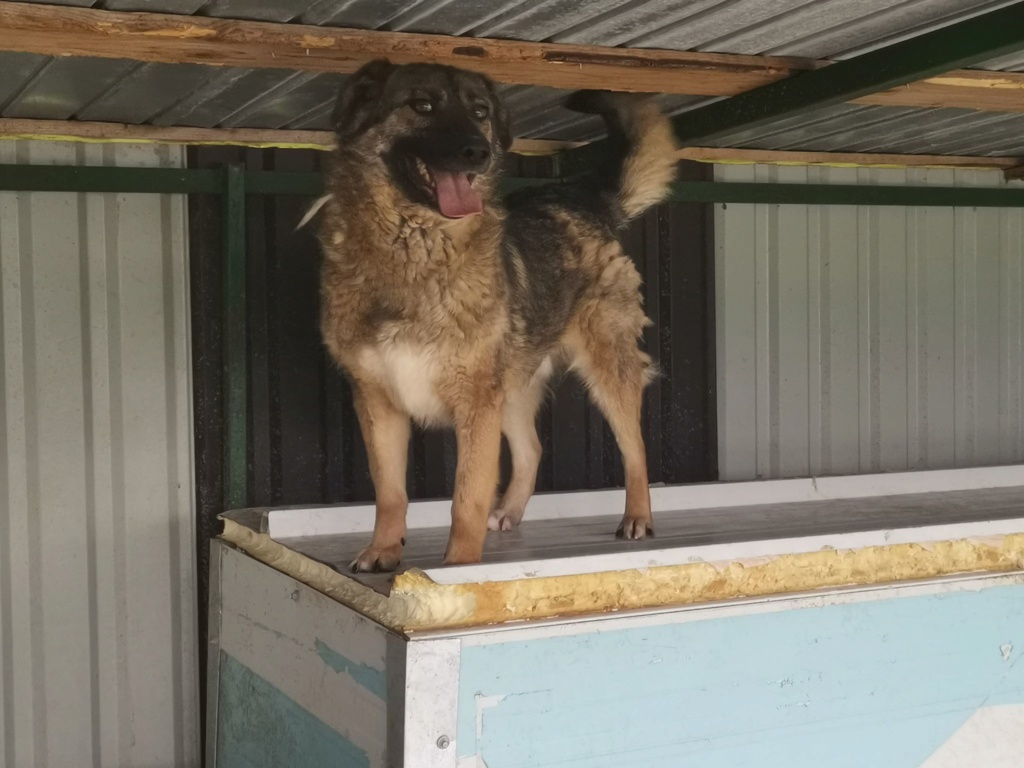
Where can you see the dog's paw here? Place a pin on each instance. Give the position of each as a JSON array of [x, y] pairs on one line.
[[377, 559], [634, 528], [502, 520]]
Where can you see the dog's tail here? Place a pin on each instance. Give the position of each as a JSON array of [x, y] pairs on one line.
[[642, 146]]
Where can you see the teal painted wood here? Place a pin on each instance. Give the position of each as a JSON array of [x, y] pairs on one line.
[[258, 726], [881, 684], [373, 680]]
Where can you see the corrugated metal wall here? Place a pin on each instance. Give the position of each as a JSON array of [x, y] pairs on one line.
[[97, 575], [863, 339]]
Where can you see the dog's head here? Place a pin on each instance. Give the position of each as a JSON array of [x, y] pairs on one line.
[[439, 133]]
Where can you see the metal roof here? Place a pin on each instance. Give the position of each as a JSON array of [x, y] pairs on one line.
[[113, 90]]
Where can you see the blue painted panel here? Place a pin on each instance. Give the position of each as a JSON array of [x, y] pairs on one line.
[[880, 684], [258, 726]]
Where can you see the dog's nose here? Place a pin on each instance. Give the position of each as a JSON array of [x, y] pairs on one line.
[[477, 152]]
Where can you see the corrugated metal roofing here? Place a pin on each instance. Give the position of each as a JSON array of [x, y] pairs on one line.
[[203, 96], [857, 128]]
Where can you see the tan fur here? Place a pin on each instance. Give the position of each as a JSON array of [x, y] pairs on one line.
[[417, 310], [651, 167]]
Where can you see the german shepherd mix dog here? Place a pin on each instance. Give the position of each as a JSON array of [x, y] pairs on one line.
[[447, 306]]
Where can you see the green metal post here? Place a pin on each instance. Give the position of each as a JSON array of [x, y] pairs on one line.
[[236, 375]]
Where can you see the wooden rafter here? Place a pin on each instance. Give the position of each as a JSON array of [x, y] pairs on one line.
[[60, 30], [78, 130], [72, 130], [1014, 172], [853, 159]]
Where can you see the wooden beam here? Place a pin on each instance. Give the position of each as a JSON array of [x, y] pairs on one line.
[[1014, 172], [72, 130], [838, 159], [110, 133], [66, 31], [963, 89]]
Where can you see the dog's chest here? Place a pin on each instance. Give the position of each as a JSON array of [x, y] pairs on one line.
[[410, 373]]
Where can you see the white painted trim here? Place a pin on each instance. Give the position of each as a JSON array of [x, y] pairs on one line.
[[626, 560], [358, 518], [431, 703], [639, 619]]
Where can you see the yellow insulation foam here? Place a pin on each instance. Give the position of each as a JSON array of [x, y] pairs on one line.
[[418, 603]]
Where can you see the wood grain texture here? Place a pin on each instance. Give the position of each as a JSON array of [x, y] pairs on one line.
[[167, 38], [65, 31], [263, 138], [855, 159], [102, 132], [306, 659]]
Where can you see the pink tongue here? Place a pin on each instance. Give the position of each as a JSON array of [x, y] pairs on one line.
[[455, 196]]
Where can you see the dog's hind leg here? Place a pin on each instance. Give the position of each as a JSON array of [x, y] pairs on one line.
[[519, 424], [616, 371], [386, 434]]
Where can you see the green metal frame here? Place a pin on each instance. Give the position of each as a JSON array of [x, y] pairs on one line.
[[236, 340], [981, 38], [36, 178], [233, 183]]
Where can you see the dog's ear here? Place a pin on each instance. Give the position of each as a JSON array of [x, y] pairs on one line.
[[499, 117], [359, 98]]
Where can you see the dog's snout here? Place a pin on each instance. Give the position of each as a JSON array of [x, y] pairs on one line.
[[476, 151]]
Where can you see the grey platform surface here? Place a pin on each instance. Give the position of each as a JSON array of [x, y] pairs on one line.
[[563, 538]]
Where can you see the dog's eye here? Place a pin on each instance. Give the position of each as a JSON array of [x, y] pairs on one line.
[[423, 106], [481, 111]]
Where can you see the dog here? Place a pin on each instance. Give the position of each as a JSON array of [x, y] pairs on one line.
[[447, 306]]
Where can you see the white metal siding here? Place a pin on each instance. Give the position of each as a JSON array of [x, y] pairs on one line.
[[863, 339], [97, 615]]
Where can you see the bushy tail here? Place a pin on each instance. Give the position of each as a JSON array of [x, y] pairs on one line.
[[642, 144]]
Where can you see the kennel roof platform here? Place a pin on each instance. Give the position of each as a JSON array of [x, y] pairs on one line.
[[714, 542], [714, 644]]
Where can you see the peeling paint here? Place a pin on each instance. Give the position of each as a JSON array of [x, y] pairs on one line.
[[369, 678], [482, 703]]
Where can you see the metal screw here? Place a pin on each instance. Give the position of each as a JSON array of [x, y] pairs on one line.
[[443, 742]]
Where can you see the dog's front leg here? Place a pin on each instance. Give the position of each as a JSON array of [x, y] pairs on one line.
[[478, 435], [386, 435]]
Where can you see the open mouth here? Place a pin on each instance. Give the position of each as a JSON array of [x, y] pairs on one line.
[[453, 191]]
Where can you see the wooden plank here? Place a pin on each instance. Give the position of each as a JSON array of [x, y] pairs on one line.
[[962, 88], [262, 138], [315, 664], [73, 130], [785, 157], [64, 31], [1014, 172]]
